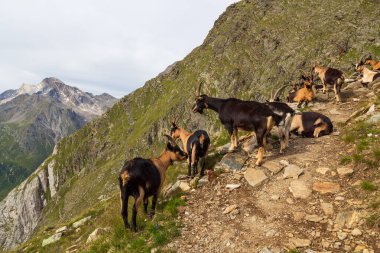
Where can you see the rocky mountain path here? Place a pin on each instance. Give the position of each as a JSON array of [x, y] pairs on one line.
[[302, 199]]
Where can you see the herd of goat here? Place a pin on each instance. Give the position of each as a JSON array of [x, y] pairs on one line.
[[143, 178]]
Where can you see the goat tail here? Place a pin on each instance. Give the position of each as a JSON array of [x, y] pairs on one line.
[[270, 123]]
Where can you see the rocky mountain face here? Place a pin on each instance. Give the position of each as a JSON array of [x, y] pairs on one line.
[[253, 47], [34, 118]]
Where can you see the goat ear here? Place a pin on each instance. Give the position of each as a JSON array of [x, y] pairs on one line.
[[303, 77], [266, 100]]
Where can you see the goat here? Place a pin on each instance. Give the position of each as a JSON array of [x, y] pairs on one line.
[[368, 75], [286, 113], [195, 145], [374, 64], [304, 94], [311, 124], [330, 77], [142, 178], [237, 114]]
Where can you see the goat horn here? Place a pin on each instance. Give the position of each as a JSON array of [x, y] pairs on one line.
[[170, 139], [199, 89], [277, 93]]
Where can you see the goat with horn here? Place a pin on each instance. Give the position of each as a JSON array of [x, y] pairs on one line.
[[237, 114], [285, 112], [330, 77], [142, 178], [195, 144]]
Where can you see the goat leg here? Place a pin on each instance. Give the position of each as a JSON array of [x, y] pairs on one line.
[[146, 205], [154, 201], [124, 208]]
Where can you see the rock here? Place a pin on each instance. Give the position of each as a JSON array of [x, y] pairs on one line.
[[232, 186], [299, 243], [265, 250], [181, 209], [313, 218], [184, 186], [297, 216], [356, 232], [233, 161], [154, 250], [371, 110], [292, 171], [250, 145], [289, 201], [284, 162], [254, 176], [193, 183], [81, 222], [346, 219], [202, 181], [182, 177], [300, 189], [326, 187], [62, 229], [275, 197], [342, 235], [327, 208], [322, 170], [374, 118], [52, 239], [345, 171], [96, 234], [273, 166], [335, 112], [230, 209]]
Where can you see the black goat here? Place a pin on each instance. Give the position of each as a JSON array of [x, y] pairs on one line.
[[238, 114], [195, 145], [142, 178], [311, 124]]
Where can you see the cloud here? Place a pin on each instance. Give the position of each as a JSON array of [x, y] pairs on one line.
[[99, 46]]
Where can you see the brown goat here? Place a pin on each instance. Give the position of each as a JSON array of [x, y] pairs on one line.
[[330, 77], [374, 64], [304, 94]]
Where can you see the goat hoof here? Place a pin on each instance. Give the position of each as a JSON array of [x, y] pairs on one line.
[[151, 215], [133, 229]]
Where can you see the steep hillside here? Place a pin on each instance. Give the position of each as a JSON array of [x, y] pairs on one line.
[[253, 47], [34, 118]]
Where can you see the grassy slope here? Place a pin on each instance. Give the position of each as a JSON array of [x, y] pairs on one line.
[[252, 48]]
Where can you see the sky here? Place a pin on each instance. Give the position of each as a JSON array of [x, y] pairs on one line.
[[97, 45]]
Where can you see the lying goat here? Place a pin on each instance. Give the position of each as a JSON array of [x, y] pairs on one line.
[[195, 145], [142, 178], [330, 77], [311, 124], [374, 64], [368, 75], [238, 114], [303, 95]]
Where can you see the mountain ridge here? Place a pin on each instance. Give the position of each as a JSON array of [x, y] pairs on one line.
[[254, 47], [34, 118]]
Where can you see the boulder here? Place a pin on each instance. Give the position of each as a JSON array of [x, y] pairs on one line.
[[345, 171], [292, 171], [254, 177], [326, 187], [52, 239], [300, 189], [233, 161], [96, 234], [81, 222]]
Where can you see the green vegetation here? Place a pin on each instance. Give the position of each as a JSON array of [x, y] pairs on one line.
[[363, 136], [368, 186]]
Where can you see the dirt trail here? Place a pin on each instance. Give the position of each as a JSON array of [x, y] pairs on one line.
[[269, 217]]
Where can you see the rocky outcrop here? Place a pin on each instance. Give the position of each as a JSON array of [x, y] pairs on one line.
[[21, 210]]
